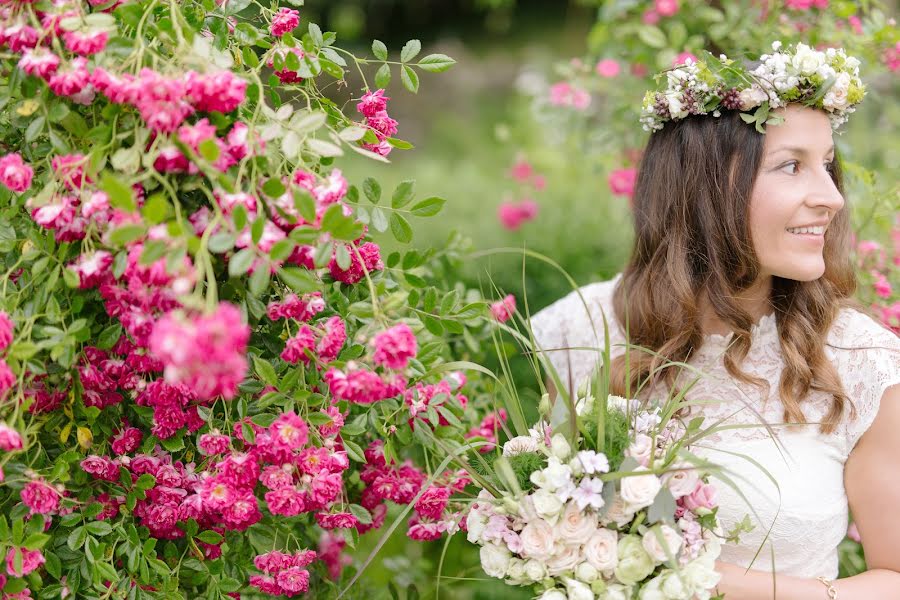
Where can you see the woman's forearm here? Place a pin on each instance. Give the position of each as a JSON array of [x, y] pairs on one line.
[[739, 584]]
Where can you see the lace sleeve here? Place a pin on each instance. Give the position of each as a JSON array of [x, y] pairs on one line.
[[867, 356], [565, 325]]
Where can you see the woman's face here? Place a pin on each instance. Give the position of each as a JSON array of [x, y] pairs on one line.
[[794, 198]]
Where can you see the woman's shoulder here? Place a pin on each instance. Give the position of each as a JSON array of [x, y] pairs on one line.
[[570, 309], [853, 329]]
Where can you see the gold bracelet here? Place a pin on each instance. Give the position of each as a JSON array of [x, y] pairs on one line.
[[832, 593]]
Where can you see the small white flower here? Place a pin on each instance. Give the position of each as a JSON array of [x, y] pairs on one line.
[[495, 560], [560, 447], [776, 45], [593, 462], [520, 445], [589, 493]]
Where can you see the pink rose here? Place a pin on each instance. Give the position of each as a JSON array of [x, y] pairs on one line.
[[702, 498]]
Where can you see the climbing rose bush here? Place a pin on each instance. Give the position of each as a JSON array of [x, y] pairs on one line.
[[212, 380]]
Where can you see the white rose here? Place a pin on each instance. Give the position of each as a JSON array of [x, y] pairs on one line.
[[674, 587], [836, 98], [587, 573], [515, 573], [639, 491], [547, 505], [700, 574], [495, 560], [652, 590], [617, 591], [641, 449], [681, 482], [752, 97], [520, 445], [565, 558], [676, 110], [560, 447], [576, 526], [654, 546], [537, 540], [535, 570], [618, 513], [553, 594], [601, 550], [806, 60], [851, 63], [577, 590]]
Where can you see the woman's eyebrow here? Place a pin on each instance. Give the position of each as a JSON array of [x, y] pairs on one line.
[[798, 150]]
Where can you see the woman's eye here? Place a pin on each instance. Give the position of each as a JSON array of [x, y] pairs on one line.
[[829, 166]]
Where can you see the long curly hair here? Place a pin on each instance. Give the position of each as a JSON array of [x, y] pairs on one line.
[[691, 218]]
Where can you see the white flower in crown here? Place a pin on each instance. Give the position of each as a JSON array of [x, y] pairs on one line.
[[793, 74], [807, 60]]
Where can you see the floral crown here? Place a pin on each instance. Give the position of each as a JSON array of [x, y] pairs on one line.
[[828, 80]]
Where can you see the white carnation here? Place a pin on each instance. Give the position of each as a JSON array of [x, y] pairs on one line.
[[520, 445]]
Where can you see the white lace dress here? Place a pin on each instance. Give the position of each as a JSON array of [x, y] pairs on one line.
[[807, 510]]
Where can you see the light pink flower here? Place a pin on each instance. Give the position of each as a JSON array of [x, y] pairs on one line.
[[703, 497], [621, 181], [85, 44], [39, 62], [683, 58], [289, 430], [666, 8], [504, 309], [7, 381], [433, 501], [608, 68]]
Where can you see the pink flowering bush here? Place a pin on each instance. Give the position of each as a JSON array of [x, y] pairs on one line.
[[213, 380]]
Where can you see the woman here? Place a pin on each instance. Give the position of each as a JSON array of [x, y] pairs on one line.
[[741, 268]]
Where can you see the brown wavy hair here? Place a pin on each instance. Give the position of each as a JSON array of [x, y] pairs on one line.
[[692, 237]]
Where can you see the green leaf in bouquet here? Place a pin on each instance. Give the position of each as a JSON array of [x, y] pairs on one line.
[[410, 50], [354, 451], [410, 79], [209, 150], [156, 209], [221, 242], [342, 256], [379, 50], [299, 280], [210, 537], [315, 33], [400, 144], [372, 190], [331, 68], [76, 538], [259, 281], [663, 507], [653, 36], [265, 371], [100, 528], [436, 63], [273, 188]]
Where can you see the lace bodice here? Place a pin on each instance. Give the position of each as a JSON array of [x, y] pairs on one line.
[[806, 507]]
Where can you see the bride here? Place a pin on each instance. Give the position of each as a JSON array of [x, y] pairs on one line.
[[741, 268]]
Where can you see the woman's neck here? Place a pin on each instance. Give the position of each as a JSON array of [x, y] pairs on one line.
[[754, 300]]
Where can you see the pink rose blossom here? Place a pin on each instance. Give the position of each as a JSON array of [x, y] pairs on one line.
[[40, 497], [342, 520], [608, 68], [15, 173], [85, 44], [296, 346], [666, 8], [9, 438], [512, 214], [703, 497], [213, 443], [31, 560], [39, 62], [289, 430], [284, 21], [207, 353], [355, 384], [127, 440], [650, 17], [71, 78], [92, 268], [222, 91], [682, 59], [433, 501], [881, 285], [371, 260], [504, 309], [372, 103], [621, 181], [6, 330], [394, 347], [7, 378]]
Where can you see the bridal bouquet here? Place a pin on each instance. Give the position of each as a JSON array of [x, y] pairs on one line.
[[625, 514]]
